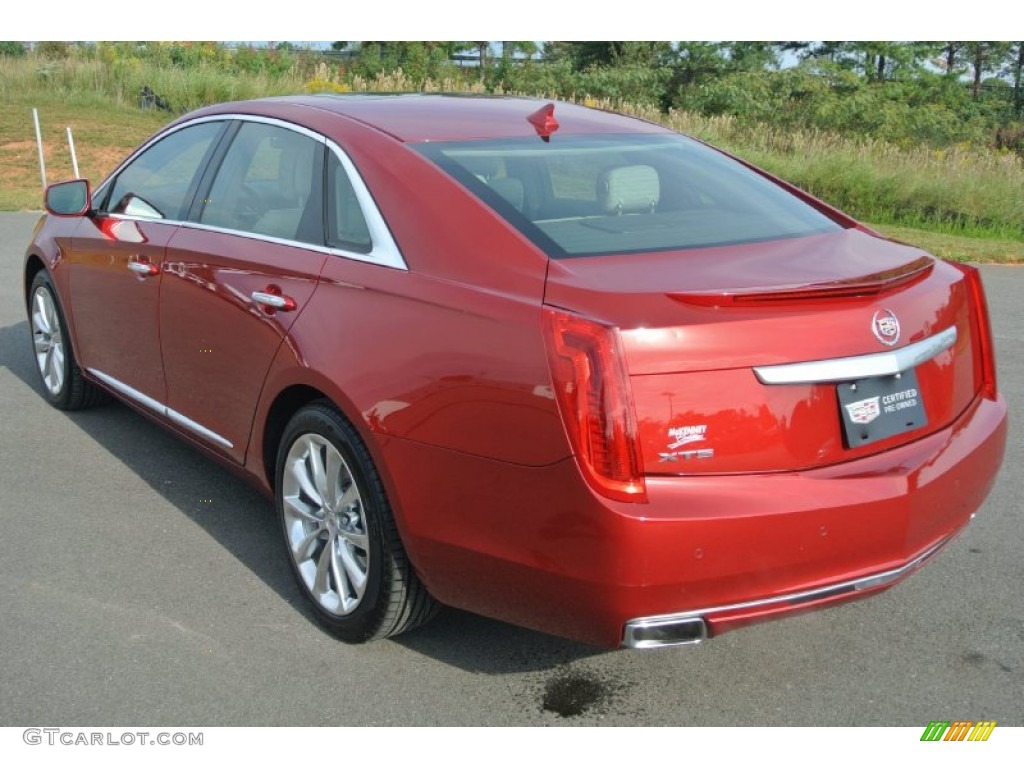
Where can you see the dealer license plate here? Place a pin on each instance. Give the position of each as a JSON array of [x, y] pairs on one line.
[[880, 407]]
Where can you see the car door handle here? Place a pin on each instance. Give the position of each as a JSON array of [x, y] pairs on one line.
[[143, 268], [274, 300]]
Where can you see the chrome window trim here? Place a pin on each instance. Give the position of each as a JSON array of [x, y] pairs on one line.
[[861, 366], [162, 135], [873, 581], [155, 405], [148, 220], [254, 236], [384, 251]]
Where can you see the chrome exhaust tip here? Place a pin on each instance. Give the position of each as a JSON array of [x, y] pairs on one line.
[[664, 632]]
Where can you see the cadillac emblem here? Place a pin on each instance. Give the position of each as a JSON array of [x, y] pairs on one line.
[[886, 327], [864, 411]]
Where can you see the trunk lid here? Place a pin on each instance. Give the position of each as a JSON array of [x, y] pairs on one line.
[[696, 324]]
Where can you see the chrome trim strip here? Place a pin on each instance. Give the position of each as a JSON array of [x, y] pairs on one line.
[[127, 391], [794, 598], [249, 235], [858, 367], [126, 217], [196, 427], [160, 408], [384, 252], [364, 257]]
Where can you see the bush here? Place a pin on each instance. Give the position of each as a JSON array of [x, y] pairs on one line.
[[927, 108], [635, 84], [11, 48], [52, 49], [418, 61], [1011, 138]]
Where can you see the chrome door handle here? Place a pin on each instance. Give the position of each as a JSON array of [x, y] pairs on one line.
[[143, 268], [273, 300]]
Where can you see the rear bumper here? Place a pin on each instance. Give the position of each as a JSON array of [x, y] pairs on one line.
[[691, 627], [536, 547]]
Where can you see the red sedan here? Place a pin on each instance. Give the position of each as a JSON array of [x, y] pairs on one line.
[[556, 366]]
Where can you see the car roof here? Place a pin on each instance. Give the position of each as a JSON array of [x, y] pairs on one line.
[[449, 117]]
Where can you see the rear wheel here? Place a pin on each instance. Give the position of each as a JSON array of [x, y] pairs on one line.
[[63, 383], [339, 532]]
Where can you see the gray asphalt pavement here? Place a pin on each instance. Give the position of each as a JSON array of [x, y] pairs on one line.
[[141, 584]]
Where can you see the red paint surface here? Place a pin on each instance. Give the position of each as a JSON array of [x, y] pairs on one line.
[[443, 371]]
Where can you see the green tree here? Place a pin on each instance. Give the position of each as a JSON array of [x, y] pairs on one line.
[[885, 59], [748, 55], [875, 60], [483, 48], [509, 48], [610, 53], [1014, 67], [419, 59], [555, 51], [950, 54], [983, 58], [827, 50]]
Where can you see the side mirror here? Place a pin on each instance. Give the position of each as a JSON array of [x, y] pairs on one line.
[[68, 198]]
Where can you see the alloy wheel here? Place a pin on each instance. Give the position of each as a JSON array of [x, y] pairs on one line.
[[325, 525], [47, 340]]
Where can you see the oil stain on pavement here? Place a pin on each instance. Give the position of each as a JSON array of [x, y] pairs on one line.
[[569, 694]]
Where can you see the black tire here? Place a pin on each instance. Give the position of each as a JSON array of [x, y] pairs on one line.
[[63, 384], [350, 538]]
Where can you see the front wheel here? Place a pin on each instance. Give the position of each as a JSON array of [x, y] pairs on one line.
[[63, 383], [339, 531]]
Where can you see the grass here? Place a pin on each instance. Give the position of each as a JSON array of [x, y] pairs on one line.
[[981, 250], [103, 136], [957, 191], [117, 83], [99, 99], [961, 203]]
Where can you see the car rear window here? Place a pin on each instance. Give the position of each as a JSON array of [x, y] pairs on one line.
[[591, 195]]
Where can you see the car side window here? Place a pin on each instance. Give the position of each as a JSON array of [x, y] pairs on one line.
[[157, 184], [346, 224], [270, 183]]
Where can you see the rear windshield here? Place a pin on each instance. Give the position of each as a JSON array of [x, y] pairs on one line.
[[591, 195]]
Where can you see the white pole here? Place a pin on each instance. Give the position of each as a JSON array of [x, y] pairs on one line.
[[74, 157], [39, 144]]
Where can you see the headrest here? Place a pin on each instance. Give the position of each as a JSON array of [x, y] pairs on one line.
[[629, 189]]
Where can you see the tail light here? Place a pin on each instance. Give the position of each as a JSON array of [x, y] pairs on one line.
[[592, 390], [979, 313]]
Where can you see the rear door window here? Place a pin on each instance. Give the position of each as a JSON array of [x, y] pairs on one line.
[[270, 183]]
